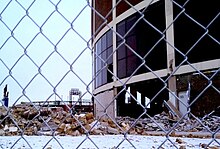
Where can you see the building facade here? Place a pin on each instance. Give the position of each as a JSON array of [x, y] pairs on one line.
[[147, 53]]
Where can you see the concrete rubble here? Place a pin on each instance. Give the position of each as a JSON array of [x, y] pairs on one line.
[[27, 120]]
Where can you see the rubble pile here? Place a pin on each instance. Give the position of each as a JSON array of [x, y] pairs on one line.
[[163, 122], [28, 120]]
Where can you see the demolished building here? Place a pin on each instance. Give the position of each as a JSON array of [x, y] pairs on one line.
[[150, 56]]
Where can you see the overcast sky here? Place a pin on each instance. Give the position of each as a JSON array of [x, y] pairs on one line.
[[29, 63]]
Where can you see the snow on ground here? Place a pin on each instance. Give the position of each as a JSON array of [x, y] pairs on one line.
[[102, 142]]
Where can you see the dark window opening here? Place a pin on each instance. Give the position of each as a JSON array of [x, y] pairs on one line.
[[146, 94], [209, 100], [104, 59], [142, 39], [190, 37]]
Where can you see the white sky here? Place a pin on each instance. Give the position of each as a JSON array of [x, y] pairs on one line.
[[104, 142], [55, 67]]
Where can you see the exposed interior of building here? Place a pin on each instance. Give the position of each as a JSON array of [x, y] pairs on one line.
[[148, 53]]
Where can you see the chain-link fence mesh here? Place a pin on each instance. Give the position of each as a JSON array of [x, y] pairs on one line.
[[135, 70]]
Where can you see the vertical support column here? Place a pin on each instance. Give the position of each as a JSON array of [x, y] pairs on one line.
[[170, 51], [93, 46], [114, 39]]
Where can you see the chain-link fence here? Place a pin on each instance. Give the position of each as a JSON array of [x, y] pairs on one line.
[[109, 74]]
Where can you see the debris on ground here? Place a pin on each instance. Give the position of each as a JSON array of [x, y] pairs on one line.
[[29, 120]]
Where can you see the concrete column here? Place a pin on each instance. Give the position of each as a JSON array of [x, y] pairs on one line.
[[170, 51], [114, 39]]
